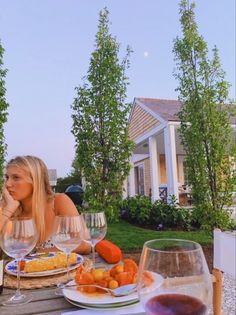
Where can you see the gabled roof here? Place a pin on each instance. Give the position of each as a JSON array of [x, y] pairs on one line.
[[166, 109]]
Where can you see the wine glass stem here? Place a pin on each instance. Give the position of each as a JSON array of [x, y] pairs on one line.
[[93, 254], [67, 267], [18, 279]]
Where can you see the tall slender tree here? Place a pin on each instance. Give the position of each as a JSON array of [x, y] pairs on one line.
[[205, 130], [100, 116], [3, 113]]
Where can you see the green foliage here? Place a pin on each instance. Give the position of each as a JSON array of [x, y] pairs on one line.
[[205, 130], [170, 215], [64, 182], [100, 120], [110, 207], [74, 178], [3, 114], [137, 209], [206, 218]]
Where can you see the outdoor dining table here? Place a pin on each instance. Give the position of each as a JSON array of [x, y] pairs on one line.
[[44, 300]]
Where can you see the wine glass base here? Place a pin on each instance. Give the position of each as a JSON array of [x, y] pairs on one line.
[[18, 300], [59, 289]]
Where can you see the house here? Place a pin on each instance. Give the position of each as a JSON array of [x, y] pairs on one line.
[[158, 160], [52, 174]]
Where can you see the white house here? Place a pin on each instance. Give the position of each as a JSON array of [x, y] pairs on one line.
[[52, 174], [158, 158]]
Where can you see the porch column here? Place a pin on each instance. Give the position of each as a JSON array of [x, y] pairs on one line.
[[154, 171], [124, 189], [171, 163], [131, 179], [83, 182]]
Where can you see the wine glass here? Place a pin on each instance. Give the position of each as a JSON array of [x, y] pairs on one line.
[[18, 238], [96, 228], [67, 236], [174, 278]]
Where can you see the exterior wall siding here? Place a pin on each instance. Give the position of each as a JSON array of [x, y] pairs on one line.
[[141, 122]]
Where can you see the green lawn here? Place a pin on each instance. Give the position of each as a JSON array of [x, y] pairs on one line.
[[129, 237]]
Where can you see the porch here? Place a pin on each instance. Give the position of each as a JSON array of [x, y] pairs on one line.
[[158, 167]]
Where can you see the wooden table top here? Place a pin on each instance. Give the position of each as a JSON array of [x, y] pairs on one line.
[[44, 301]]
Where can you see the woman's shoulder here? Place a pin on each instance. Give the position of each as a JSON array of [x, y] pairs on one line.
[[60, 196], [64, 205], [61, 199]]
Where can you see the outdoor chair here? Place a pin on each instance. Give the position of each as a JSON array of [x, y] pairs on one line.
[[223, 261]]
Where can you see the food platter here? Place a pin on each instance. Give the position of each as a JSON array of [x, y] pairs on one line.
[[11, 267], [105, 301], [94, 299]]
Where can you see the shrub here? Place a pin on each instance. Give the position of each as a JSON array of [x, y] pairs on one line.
[[137, 209], [170, 215], [207, 219], [111, 208]]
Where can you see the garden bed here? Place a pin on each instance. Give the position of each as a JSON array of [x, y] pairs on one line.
[[207, 249]]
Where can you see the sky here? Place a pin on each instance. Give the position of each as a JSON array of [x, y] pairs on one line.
[[48, 45]]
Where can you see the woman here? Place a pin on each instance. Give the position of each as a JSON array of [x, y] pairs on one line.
[[27, 193]]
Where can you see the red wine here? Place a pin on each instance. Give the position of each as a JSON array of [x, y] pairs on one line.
[[175, 304], [1, 271]]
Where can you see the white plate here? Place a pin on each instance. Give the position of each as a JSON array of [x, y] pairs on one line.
[[103, 307], [106, 299], [11, 268], [100, 299]]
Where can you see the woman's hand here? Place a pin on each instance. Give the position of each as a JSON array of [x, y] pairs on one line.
[[8, 204]]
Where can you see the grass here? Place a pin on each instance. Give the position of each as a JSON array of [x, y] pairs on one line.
[[130, 238]]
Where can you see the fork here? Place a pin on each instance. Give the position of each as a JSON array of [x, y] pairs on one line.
[[120, 291]]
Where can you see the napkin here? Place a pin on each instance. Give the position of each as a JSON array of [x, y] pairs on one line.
[[136, 309]]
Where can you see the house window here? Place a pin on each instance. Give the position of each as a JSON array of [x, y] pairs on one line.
[[139, 180]]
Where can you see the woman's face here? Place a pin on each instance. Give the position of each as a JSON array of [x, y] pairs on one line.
[[18, 183]]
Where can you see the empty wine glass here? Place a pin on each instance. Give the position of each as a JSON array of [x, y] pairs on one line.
[[174, 278], [96, 226], [17, 239], [67, 236]]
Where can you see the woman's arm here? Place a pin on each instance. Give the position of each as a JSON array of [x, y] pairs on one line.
[[3, 220], [8, 207], [63, 205]]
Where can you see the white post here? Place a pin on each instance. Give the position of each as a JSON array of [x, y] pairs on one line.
[[171, 163], [154, 171], [83, 182], [131, 179], [124, 189]]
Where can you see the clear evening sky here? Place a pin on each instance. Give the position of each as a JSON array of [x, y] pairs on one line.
[[48, 44]]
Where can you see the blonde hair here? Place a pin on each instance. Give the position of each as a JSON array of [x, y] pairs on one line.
[[42, 191]]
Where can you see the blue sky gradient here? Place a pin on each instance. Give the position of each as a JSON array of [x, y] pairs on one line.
[[48, 44]]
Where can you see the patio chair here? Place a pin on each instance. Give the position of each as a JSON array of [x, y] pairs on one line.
[[224, 260]]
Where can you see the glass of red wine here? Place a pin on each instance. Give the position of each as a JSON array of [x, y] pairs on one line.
[[174, 278]]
